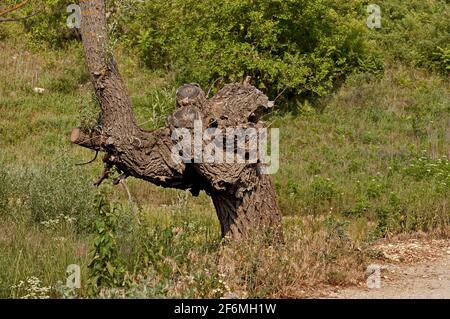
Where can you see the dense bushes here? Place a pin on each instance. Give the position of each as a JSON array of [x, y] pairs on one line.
[[297, 47], [48, 23], [417, 33], [294, 46]]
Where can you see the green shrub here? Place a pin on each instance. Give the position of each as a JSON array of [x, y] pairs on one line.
[[50, 24], [417, 33], [105, 268], [426, 167], [44, 194], [296, 47]]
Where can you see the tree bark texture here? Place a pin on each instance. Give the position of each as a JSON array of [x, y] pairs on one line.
[[244, 198]]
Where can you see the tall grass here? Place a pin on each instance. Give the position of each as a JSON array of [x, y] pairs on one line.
[[378, 151]]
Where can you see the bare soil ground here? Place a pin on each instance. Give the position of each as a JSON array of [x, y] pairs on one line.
[[415, 268]]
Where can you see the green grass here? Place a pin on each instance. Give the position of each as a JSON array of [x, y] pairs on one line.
[[354, 159]]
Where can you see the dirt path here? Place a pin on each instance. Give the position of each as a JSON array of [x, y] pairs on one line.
[[411, 269]]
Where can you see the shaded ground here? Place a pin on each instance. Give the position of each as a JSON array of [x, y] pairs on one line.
[[412, 269]]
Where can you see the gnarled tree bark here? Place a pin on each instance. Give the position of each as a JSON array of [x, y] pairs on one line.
[[244, 198]]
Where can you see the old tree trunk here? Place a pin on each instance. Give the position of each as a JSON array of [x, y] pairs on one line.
[[244, 198]]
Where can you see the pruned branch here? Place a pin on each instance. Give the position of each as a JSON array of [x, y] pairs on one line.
[[91, 140]]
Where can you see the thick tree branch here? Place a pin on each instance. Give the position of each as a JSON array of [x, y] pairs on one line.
[[244, 199], [109, 87]]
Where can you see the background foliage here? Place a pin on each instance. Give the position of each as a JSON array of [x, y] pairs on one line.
[[294, 46], [417, 33], [298, 47]]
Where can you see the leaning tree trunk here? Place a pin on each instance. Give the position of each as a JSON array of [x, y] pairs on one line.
[[244, 198]]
